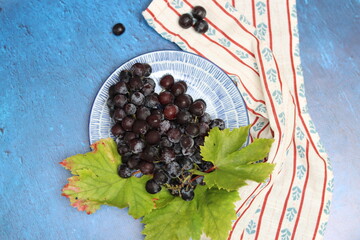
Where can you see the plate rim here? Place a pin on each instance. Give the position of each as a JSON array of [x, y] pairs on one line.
[[168, 51]]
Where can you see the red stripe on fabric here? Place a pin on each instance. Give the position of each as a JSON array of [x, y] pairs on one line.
[[322, 203], [303, 121], [250, 94], [258, 136], [288, 194], [218, 44], [269, 95], [236, 20], [269, 22], [271, 103], [262, 213], [253, 13], [255, 113], [272, 132], [304, 190], [293, 132], [229, 38], [278, 73], [156, 20], [242, 235], [242, 214], [233, 3], [256, 119], [237, 220], [222, 32]]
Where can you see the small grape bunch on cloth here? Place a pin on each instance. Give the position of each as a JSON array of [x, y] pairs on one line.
[[195, 19]]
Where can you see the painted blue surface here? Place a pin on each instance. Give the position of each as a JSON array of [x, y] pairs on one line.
[[55, 55]]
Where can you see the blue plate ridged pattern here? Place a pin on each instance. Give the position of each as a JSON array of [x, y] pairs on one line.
[[205, 80]]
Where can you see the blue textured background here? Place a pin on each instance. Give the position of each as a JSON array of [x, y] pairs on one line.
[[54, 56]]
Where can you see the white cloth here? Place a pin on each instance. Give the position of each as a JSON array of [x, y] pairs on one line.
[[257, 44]]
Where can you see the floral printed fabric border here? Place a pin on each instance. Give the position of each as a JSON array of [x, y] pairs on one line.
[[257, 44]]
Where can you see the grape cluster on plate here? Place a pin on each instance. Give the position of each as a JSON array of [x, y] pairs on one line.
[[159, 134]]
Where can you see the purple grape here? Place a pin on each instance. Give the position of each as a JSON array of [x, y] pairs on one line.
[[186, 21], [146, 167], [136, 145], [187, 194], [166, 98], [178, 89], [183, 117], [203, 129], [124, 171], [120, 100], [167, 81], [154, 121], [150, 153], [198, 108], [160, 177], [127, 123], [140, 127], [186, 142], [165, 143], [111, 91], [164, 126], [117, 130], [167, 155], [152, 137], [142, 113], [133, 162], [201, 26], [183, 101], [119, 114], [152, 101], [186, 164], [130, 109], [125, 76], [199, 141], [152, 187], [138, 69], [217, 123], [198, 12], [177, 148], [121, 88], [206, 118], [173, 169], [135, 84], [147, 70], [192, 130], [174, 135], [137, 98], [171, 111], [189, 151], [148, 87], [129, 136], [206, 166], [123, 150]]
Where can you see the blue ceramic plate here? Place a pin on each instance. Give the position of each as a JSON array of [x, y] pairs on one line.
[[205, 80]]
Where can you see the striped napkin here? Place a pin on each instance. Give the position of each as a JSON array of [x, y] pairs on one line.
[[256, 42]]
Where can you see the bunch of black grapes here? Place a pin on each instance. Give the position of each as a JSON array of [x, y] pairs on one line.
[[159, 134]]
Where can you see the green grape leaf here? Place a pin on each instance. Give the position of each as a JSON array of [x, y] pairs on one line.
[[211, 211], [96, 182], [178, 220], [220, 143], [217, 210], [234, 164]]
